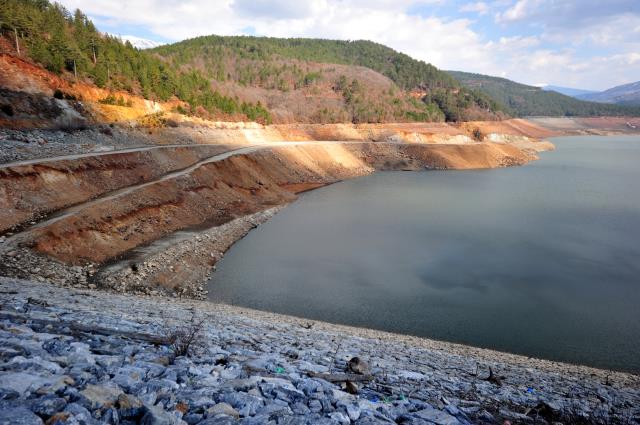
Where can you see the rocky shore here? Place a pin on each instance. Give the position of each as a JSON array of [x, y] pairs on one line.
[[181, 262], [82, 357]]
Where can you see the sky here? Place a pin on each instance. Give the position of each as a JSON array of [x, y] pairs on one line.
[[587, 44]]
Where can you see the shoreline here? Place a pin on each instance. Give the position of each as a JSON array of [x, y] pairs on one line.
[[194, 272], [410, 376], [231, 192], [111, 328]]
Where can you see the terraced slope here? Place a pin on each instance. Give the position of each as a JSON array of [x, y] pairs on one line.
[[71, 216]]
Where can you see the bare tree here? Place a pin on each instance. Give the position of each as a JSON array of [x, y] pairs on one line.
[[187, 339]]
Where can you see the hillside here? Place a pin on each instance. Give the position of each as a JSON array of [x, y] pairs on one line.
[[358, 81], [69, 45], [522, 100], [627, 94], [243, 78]]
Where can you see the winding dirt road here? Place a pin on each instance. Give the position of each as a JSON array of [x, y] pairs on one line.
[[112, 195]]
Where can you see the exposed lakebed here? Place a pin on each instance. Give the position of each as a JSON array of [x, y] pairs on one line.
[[540, 260]]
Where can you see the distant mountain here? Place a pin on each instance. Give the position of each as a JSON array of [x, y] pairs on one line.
[[523, 100], [140, 43], [567, 91], [627, 94]]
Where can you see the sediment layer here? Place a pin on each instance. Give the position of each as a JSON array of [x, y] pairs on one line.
[[218, 190]]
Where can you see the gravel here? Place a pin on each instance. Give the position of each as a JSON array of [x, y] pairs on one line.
[[79, 356]]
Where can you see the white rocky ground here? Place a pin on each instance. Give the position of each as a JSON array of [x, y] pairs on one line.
[[72, 356]]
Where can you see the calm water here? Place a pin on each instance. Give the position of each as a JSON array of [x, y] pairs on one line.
[[541, 260]]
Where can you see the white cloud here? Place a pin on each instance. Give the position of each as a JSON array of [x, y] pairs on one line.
[[480, 8], [566, 13], [520, 10]]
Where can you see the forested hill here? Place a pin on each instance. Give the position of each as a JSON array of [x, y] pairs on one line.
[[70, 45], [244, 78], [294, 64], [271, 80], [523, 100], [403, 70]]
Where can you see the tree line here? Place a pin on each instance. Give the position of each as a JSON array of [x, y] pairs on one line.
[[65, 42], [446, 98]]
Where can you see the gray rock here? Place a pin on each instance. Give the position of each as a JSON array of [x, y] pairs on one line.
[[128, 377], [193, 418], [340, 417], [359, 366], [8, 394], [81, 415], [258, 420], [18, 416], [372, 420], [280, 388], [315, 406], [222, 409], [240, 384], [275, 410], [219, 420], [246, 404], [156, 415], [436, 416], [32, 364], [20, 382], [130, 407], [99, 396], [111, 417], [353, 411], [47, 406], [300, 408]]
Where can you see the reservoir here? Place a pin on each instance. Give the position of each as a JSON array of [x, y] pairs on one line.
[[541, 260]]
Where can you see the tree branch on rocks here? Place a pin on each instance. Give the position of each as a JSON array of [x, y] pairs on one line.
[[342, 377], [187, 339], [333, 359], [494, 379]]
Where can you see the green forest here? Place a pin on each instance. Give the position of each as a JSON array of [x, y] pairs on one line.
[[522, 100], [65, 42], [69, 44], [446, 98], [405, 71]]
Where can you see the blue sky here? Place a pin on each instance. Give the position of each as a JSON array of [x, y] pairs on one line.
[[576, 43]]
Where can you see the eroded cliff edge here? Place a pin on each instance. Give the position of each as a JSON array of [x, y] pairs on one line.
[[117, 219]]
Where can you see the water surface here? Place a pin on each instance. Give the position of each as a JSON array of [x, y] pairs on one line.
[[541, 260]]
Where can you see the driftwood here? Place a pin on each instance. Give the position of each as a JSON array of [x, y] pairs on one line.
[[342, 377], [76, 328], [494, 379]]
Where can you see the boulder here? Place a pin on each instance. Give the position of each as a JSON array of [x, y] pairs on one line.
[[99, 396], [156, 415], [18, 416], [358, 366], [222, 409]]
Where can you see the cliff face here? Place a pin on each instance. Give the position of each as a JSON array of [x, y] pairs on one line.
[[240, 184]]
